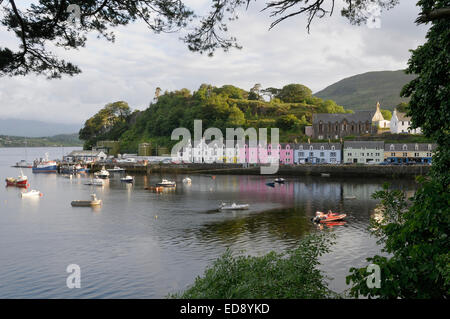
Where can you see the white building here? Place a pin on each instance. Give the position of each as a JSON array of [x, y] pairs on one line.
[[400, 123], [84, 156]]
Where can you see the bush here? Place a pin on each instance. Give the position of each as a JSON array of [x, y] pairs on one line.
[[293, 274]]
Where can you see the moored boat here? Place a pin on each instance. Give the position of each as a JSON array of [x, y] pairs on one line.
[[20, 181], [116, 169], [271, 184], [329, 217], [31, 193], [23, 164], [233, 206], [279, 180], [187, 180], [166, 183], [44, 165], [127, 179], [87, 203], [102, 174]]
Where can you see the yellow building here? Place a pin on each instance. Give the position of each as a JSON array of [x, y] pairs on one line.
[[408, 152]]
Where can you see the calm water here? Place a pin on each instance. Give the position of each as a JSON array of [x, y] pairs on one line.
[[145, 245]]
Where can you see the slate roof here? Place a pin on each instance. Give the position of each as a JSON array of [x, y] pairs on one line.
[[358, 116], [403, 117], [316, 146], [364, 144], [410, 147]]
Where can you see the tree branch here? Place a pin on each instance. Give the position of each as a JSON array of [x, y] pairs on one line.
[[442, 13]]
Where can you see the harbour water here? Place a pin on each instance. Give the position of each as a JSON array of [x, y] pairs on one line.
[[140, 244]]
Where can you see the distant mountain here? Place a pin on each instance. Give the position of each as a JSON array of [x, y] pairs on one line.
[[362, 91], [56, 140], [30, 128]]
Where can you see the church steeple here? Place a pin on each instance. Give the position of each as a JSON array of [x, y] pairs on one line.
[[378, 107]]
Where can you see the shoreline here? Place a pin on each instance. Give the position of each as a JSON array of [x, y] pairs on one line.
[[342, 170]]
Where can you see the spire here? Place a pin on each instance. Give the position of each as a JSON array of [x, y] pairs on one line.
[[378, 106]]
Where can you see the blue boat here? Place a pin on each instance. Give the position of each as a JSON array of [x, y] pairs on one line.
[[44, 166], [271, 184]]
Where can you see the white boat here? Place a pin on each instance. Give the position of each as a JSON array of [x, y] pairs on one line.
[[324, 174], [102, 174], [96, 182], [24, 164], [187, 180], [32, 193], [233, 206], [279, 180], [166, 183], [350, 197], [116, 169], [127, 179]]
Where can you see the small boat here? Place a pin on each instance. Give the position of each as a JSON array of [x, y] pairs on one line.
[[95, 182], [279, 180], [350, 197], [23, 164], [87, 203], [330, 217], [233, 206], [187, 180], [21, 181], [116, 169], [102, 174], [271, 184], [32, 193], [166, 183], [127, 179], [324, 174]]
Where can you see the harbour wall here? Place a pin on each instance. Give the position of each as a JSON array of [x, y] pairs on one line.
[[355, 170]]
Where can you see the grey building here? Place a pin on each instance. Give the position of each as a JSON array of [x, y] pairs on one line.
[[329, 153]]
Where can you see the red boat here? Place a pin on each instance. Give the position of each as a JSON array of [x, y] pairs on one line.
[[330, 217], [21, 181]]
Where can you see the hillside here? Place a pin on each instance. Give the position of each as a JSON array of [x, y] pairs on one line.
[[56, 140], [31, 128], [289, 109], [362, 91]]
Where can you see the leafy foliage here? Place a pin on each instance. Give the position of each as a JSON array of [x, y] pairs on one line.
[[222, 107], [417, 238], [293, 274], [46, 22], [415, 234]]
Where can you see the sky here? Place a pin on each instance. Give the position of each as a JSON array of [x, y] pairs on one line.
[[139, 61]]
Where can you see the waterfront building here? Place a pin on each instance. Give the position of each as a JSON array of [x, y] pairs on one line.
[[84, 156], [410, 152], [400, 123], [327, 153], [363, 152]]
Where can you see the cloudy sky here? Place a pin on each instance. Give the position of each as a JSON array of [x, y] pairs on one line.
[[139, 61]]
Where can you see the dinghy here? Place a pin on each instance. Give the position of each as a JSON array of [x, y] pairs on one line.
[[31, 193], [330, 217], [166, 183], [233, 206], [279, 180], [127, 179]]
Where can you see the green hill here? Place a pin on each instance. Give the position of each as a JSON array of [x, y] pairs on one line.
[[290, 109], [362, 91], [56, 140]]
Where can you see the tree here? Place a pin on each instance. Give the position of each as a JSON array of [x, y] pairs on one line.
[[113, 115], [157, 93], [270, 92], [294, 93], [288, 122], [49, 22], [386, 114], [255, 92], [402, 107], [415, 233]]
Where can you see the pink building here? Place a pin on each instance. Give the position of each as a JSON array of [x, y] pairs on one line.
[[283, 151]]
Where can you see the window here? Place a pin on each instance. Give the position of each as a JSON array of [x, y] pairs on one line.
[[391, 147], [429, 147], [349, 154], [311, 154], [311, 148], [332, 148], [321, 148], [301, 154], [405, 147], [405, 154], [322, 154], [416, 147], [333, 154]]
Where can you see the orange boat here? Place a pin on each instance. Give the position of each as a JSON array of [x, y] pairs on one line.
[[329, 217]]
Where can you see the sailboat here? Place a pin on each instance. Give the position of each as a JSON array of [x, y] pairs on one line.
[[24, 163]]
